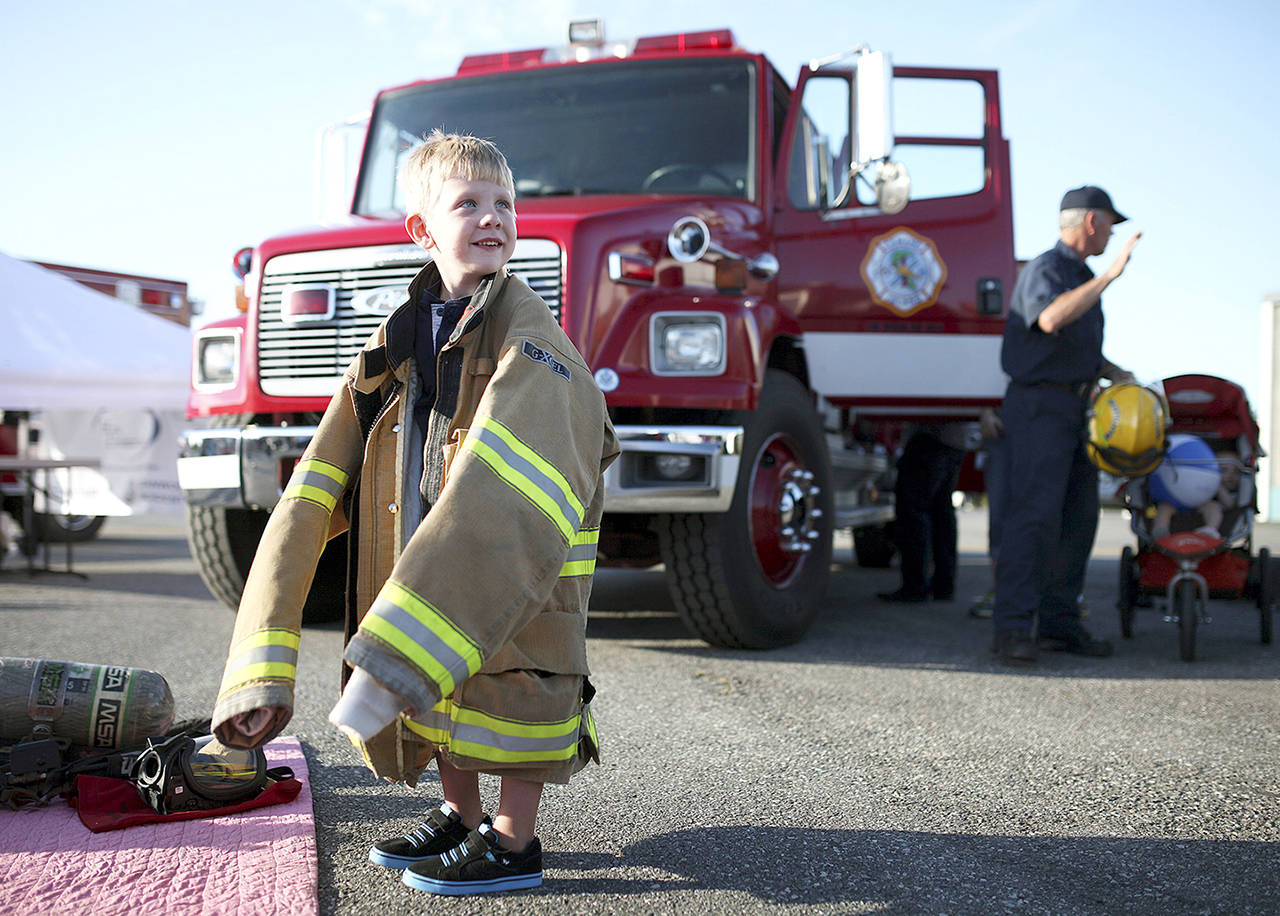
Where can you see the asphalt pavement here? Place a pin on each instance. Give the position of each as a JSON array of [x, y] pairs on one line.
[[885, 764]]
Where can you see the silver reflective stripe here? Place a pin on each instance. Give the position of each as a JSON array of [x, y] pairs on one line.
[[549, 487], [580, 552], [426, 647], [260, 654], [478, 734]]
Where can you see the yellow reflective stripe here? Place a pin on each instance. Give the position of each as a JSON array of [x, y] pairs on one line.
[[265, 654], [317, 481], [470, 732], [528, 473], [327, 468], [270, 637], [266, 669], [438, 736], [499, 755], [515, 727], [582, 554], [412, 626], [528, 454], [311, 494]]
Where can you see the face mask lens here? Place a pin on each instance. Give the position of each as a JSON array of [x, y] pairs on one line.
[[215, 771]]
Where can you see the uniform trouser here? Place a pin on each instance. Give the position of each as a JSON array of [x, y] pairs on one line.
[[996, 475], [926, 518], [1052, 516]]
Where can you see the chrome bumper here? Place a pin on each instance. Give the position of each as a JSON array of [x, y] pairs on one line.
[[634, 483], [242, 468]]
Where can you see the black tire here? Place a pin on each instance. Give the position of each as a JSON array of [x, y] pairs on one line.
[[223, 541], [1266, 594], [1127, 598], [69, 529], [1184, 607], [737, 579], [873, 546]]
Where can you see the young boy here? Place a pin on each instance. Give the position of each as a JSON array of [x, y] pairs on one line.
[[464, 455]]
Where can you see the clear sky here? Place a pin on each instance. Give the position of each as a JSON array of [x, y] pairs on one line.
[[158, 138]]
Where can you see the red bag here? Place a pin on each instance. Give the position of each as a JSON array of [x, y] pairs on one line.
[[110, 804]]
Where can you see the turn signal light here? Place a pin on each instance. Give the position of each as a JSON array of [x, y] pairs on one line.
[[731, 275], [631, 268]]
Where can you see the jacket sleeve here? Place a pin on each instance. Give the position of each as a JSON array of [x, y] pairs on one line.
[[261, 666], [485, 560]]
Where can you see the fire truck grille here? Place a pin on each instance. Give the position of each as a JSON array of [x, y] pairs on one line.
[[307, 354]]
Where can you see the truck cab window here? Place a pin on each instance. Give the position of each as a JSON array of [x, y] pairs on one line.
[[632, 127], [818, 175], [940, 126]]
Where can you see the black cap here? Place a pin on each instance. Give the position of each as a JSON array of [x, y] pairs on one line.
[[1090, 198]]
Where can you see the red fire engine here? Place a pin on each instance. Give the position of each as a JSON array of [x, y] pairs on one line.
[[758, 287]]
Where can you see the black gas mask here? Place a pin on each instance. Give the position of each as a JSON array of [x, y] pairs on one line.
[[199, 774]]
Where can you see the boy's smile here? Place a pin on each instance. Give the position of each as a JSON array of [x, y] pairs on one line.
[[470, 230]]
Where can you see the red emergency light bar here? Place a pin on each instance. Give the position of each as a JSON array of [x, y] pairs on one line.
[[686, 41], [532, 57], [503, 60]]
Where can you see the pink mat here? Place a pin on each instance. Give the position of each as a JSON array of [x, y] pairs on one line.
[[256, 862]]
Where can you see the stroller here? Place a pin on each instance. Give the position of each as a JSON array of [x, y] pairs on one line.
[[1189, 566]]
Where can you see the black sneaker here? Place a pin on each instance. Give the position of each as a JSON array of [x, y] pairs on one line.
[[480, 865], [442, 831]]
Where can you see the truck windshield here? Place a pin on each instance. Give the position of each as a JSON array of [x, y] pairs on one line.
[[650, 127]]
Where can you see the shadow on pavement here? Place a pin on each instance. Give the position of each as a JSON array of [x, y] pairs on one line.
[[856, 628], [897, 871]]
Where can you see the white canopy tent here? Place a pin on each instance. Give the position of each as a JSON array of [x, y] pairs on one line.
[[67, 346], [103, 380]]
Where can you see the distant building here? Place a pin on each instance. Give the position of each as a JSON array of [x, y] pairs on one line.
[[166, 298], [1267, 407]]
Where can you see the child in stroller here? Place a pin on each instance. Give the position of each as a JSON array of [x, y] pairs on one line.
[[1191, 556], [1208, 518]]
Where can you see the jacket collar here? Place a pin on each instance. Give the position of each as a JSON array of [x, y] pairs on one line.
[[402, 325]]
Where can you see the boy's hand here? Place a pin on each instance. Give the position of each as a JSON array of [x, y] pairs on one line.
[[247, 729]]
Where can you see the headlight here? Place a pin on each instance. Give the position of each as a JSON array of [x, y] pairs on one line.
[[687, 343], [217, 360]]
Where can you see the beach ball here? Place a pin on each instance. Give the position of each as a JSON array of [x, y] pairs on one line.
[[1189, 475]]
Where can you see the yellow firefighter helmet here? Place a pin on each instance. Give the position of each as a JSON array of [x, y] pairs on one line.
[[1127, 425]]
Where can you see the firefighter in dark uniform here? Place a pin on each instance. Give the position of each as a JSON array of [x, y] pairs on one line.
[[1052, 354]]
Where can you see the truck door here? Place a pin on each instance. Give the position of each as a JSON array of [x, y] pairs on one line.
[[902, 313]]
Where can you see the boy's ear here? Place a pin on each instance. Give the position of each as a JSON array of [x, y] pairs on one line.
[[417, 230]]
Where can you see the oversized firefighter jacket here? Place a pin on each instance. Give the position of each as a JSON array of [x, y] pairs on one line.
[[495, 578]]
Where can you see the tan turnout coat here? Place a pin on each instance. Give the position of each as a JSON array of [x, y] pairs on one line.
[[477, 612]]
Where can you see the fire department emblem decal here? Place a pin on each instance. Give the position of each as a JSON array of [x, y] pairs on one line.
[[903, 271]]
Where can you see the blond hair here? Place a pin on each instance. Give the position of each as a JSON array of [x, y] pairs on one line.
[[443, 156]]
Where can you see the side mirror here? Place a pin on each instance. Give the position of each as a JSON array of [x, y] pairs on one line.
[[893, 187], [873, 107], [873, 131]]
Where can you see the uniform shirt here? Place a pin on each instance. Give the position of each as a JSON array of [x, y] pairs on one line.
[[1071, 355], [436, 320]]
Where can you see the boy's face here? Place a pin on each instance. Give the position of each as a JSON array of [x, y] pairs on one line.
[[470, 230]]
